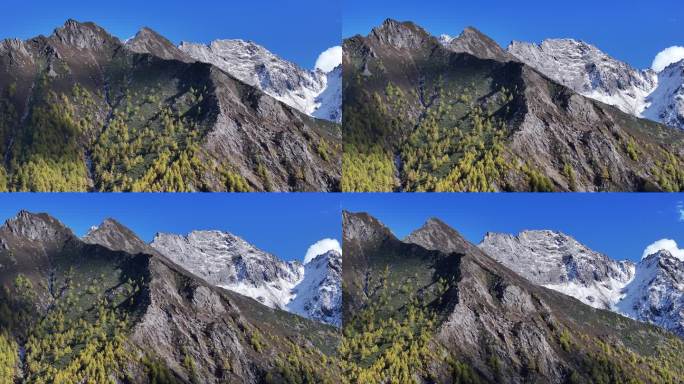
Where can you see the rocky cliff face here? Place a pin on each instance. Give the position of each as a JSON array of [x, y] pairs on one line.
[[310, 91], [187, 126], [476, 43], [155, 320]]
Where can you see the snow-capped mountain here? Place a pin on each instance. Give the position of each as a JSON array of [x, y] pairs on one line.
[[650, 291], [312, 290], [319, 295], [559, 262], [330, 100], [656, 294], [666, 102], [313, 92], [587, 70], [230, 262]]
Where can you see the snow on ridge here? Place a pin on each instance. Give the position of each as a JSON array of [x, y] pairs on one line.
[[311, 290], [650, 291], [656, 93], [283, 80]]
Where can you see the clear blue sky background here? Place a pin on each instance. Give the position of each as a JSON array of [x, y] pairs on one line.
[[633, 31], [618, 225], [298, 30], [283, 224]]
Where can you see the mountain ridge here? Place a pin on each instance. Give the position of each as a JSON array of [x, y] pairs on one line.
[[591, 72], [648, 291], [253, 64]]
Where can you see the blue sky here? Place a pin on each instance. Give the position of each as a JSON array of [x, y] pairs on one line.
[[620, 225], [298, 30], [283, 224], [633, 31]]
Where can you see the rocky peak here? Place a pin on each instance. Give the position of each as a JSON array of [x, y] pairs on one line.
[[83, 35], [115, 236], [230, 262], [437, 235], [37, 227], [587, 70], [478, 44], [400, 35], [310, 91], [149, 41], [656, 295], [319, 295], [364, 228], [558, 261], [666, 103]]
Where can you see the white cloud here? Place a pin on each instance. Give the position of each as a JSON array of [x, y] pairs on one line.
[[320, 247], [666, 244], [329, 59], [666, 57]]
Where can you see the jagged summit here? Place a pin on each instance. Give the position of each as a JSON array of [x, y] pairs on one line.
[[476, 43], [149, 41], [437, 235], [114, 235], [362, 227], [589, 71], [558, 261], [651, 290], [84, 35], [36, 227], [401, 35], [228, 261]]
